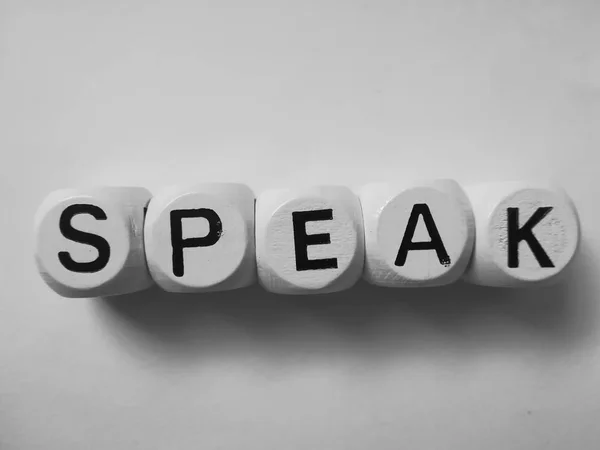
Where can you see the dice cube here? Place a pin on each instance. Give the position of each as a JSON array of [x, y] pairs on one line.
[[309, 240], [527, 233], [89, 242], [416, 233], [200, 238]]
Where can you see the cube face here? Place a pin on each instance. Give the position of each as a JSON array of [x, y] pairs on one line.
[[416, 234], [89, 242], [309, 240], [526, 234], [200, 238]]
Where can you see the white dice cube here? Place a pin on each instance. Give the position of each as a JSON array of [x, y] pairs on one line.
[[416, 233], [89, 242], [200, 238], [527, 233], [310, 240]]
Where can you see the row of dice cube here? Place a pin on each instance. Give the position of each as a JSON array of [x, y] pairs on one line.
[[218, 236]]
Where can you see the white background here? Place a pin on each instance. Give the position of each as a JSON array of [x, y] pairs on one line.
[[283, 93]]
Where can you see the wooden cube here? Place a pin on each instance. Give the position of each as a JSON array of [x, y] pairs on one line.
[[310, 240], [416, 234], [527, 233], [200, 238], [89, 242]]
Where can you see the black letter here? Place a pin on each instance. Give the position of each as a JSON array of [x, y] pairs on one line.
[[525, 233], [67, 230], [302, 240], [434, 244], [215, 229]]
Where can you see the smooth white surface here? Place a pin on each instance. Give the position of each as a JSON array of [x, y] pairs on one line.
[[276, 94]]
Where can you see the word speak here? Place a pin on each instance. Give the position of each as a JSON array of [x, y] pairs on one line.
[[217, 236]]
